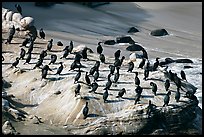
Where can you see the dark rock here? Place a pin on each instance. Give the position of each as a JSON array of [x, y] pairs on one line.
[[125, 39], [159, 32], [134, 47], [110, 42], [133, 30], [187, 67], [183, 61]]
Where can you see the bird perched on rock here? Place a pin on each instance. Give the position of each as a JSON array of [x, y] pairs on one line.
[[39, 63], [12, 31], [117, 54], [31, 46], [25, 42], [183, 75], [102, 58], [45, 71], [66, 53], [15, 63], [85, 110], [146, 73], [167, 84], [49, 45], [59, 70], [42, 33], [167, 98], [177, 95], [121, 93], [137, 80], [22, 53], [156, 64], [19, 9], [87, 79], [137, 98], [105, 95], [71, 46], [154, 87], [108, 83], [78, 75], [130, 67], [53, 59], [96, 75], [94, 86], [99, 48], [112, 69], [77, 90], [142, 63], [145, 55], [117, 75], [28, 58], [138, 90], [43, 54]]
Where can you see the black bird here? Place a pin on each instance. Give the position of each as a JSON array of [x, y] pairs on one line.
[[39, 63], [46, 67], [112, 69], [44, 73], [137, 80], [85, 110], [167, 84], [177, 95], [71, 45], [121, 93], [167, 98], [59, 70], [96, 75], [177, 81], [16, 62], [84, 53], [77, 90], [138, 90], [30, 48], [117, 75], [25, 42], [119, 62], [146, 73], [154, 87], [11, 34], [43, 54], [97, 65], [87, 79], [183, 75], [99, 48], [19, 9], [66, 53], [102, 58], [42, 34], [171, 75], [73, 65], [156, 64], [94, 86], [53, 59], [78, 57], [142, 63], [145, 55], [92, 70], [22, 53], [105, 95], [78, 75], [59, 43], [108, 83], [150, 108], [49, 45], [117, 54], [66, 48], [130, 67], [137, 98], [28, 58]]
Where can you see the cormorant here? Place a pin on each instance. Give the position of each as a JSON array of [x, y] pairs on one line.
[[130, 67], [99, 48], [121, 93], [85, 110], [167, 98], [42, 34]]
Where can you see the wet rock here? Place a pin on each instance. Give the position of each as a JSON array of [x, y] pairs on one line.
[[110, 42], [159, 32], [8, 129], [124, 39], [133, 30]]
